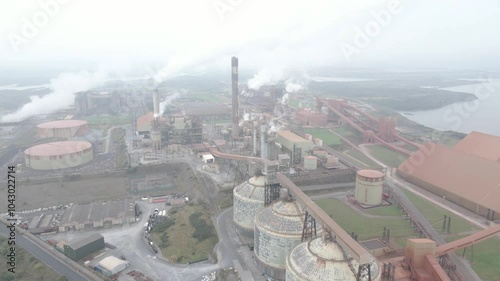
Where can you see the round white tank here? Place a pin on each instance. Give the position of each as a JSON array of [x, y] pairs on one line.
[[278, 229], [248, 200], [310, 163], [322, 260], [332, 160], [369, 187]]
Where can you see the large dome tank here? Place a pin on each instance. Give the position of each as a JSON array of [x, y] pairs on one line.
[[248, 200], [278, 229], [323, 259]]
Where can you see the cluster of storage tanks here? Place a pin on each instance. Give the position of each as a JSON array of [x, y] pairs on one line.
[[59, 154], [277, 234]]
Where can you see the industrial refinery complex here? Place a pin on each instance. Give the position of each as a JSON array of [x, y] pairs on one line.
[[248, 186]]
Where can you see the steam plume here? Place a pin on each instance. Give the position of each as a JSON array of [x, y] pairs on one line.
[[62, 95]]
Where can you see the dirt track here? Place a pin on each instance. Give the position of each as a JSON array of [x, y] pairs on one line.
[[49, 194]]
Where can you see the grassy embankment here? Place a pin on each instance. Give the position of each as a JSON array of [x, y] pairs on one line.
[[187, 236], [486, 253]]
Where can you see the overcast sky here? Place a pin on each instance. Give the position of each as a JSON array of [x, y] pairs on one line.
[[265, 34]]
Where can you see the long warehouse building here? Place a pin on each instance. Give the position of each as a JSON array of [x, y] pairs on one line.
[[467, 174]]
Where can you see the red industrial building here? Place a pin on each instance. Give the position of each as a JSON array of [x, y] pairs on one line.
[[310, 118], [467, 174]]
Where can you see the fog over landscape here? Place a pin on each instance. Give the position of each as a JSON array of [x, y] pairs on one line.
[[249, 140], [281, 40]]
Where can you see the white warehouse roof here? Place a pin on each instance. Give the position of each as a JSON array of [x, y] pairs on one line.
[[113, 264]]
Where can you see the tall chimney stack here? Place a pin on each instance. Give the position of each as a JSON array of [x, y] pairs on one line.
[[156, 103], [234, 82]]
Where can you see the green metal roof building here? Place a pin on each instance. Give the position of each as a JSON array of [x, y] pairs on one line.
[[79, 248]]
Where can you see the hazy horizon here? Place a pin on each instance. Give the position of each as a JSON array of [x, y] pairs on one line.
[[273, 36]]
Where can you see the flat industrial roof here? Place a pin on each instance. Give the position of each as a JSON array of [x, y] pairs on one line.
[[58, 148], [95, 211], [145, 119], [291, 136], [469, 176], [111, 263], [59, 124], [482, 145], [205, 109], [370, 174], [78, 243]]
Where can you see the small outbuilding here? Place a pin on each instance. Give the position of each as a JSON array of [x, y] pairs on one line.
[[208, 158], [112, 265]]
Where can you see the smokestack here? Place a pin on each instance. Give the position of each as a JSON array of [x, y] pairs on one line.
[[156, 103], [234, 82], [263, 144]]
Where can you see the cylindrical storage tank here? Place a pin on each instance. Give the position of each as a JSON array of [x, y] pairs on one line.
[[310, 163], [369, 187], [323, 260], [62, 129], [248, 200], [318, 142], [58, 155], [332, 159], [278, 229]]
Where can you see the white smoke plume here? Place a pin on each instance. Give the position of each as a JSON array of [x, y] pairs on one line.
[[292, 86], [61, 96], [265, 77], [168, 101], [193, 61], [284, 98], [274, 126]]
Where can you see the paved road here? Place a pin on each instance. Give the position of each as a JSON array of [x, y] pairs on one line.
[[232, 252], [129, 241], [327, 186], [44, 256]]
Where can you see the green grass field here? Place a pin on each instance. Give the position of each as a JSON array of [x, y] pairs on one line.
[[486, 253], [181, 242], [343, 131], [434, 213], [410, 147], [365, 227], [362, 158], [328, 137], [104, 122], [390, 210], [387, 156]]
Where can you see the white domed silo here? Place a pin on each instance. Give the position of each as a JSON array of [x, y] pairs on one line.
[[369, 187], [278, 229], [248, 200], [323, 260]]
